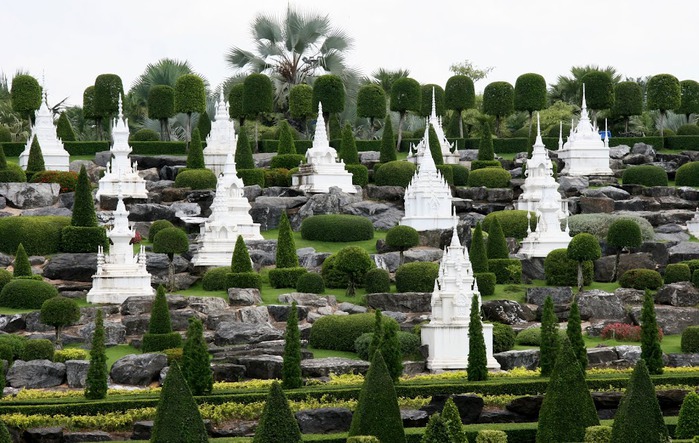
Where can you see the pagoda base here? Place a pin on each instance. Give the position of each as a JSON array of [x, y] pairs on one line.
[[319, 179], [53, 161], [219, 251], [216, 161], [429, 223], [535, 246], [116, 288], [129, 186], [585, 162], [448, 346]]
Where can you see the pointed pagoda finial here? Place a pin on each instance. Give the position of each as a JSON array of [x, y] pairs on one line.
[[321, 136], [221, 98], [455, 243], [584, 102], [434, 105], [539, 141], [121, 108]]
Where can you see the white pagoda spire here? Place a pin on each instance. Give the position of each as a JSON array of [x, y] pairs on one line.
[[320, 138], [221, 140], [56, 158]]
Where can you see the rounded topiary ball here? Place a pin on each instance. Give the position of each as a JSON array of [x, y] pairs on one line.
[[145, 135], [196, 179], [641, 279], [687, 174], [215, 279], [416, 277], [311, 283], [26, 294], [688, 130], [158, 226], [377, 280], [645, 175], [395, 173], [490, 178], [402, 237]]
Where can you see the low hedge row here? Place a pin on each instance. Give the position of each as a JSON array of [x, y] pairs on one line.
[[285, 277], [337, 228], [40, 235], [77, 239], [86, 147], [340, 332], [26, 293], [158, 148], [645, 175]]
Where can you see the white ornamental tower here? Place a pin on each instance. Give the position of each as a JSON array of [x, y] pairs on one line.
[[56, 158], [539, 168], [221, 140], [416, 152]]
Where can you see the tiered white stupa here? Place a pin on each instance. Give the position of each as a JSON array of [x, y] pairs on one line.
[[121, 177], [537, 173], [416, 152], [447, 332], [221, 140], [585, 153], [229, 218], [56, 158], [322, 170], [428, 198], [120, 273], [693, 224]]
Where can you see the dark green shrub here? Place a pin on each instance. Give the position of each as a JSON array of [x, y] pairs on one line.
[[258, 94], [506, 270], [108, 89], [447, 173], [243, 280], [481, 164], [513, 223], [677, 272], [310, 282], [333, 278], [291, 366], [38, 349], [337, 228], [301, 101], [651, 352], [628, 100], [485, 147], [491, 436], [59, 312], [14, 342], [460, 174], [550, 338], [161, 106], [503, 337], [7, 353], [97, 373], [83, 238], [498, 100], [84, 206], [690, 339], [286, 140], [477, 252], [663, 92], [329, 90], [583, 247], [459, 94], [286, 246], [377, 280], [21, 265], [277, 177], [158, 226], [348, 147], [277, 423], [35, 162], [360, 174], [196, 367], [409, 344], [161, 342], [402, 238], [145, 135], [5, 277], [40, 235], [574, 334], [340, 332], [26, 294], [243, 152], [170, 241], [598, 434], [497, 244], [477, 369], [695, 278], [416, 277], [13, 174], [287, 161], [215, 279], [25, 94], [395, 173], [252, 177], [204, 125], [160, 314], [388, 142], [530, 93], [196, 179], [641, 279], [600, 90], [646, 175], [688, 130], [486, 282], [195, 156], [66, 179], [285, 277], [562, 271], [354, 262], [688, 419], [687, 174], [490, 178], [5, 135]]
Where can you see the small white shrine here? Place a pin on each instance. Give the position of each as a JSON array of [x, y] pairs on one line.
[[585, 153], [121, 177], [428, 198], [120, 273], [56, 158], [322, 170], [446, 335], [221, 140], [693, 224], [229, 218], [537, 172], [416, 152]]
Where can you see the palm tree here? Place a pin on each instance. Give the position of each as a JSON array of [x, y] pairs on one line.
[[386, 77], [569, 89]]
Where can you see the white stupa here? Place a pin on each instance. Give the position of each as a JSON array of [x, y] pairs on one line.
[[56, 158], [121, 177], [120, 273], [447, 332], [322, 170], [537, 173], [585, 153], [221, 140], [693, 224], [229, 218], [428, 198], [415, 154]]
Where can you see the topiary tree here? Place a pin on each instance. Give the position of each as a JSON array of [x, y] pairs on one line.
[[277, 423], [378, 334], [171, 241], [623, 233], [22, 267], [530, 95], [402, 238], [688, 419], [436, 430], [59, 312], [405, 97], [35, 162], [477, 369], [235, 103], [452, 419], [651, 352], [628, 101], [388, 142], [204, 125], [258, 98], [5, 436], [286, 139], [689, 103], [497, 245], [549, 338], [426, 100], [108, 89], [84, 207], [371, 104], [435, 146], [64, 130], [177, 417], [301, 104], [291, 366], [583, 247], [348, 147], [485, 147], [158, 226], [390, 350], [459, 95], [568, 408], [89, 103], [286, 245], [477, 252], [25, 95], [354, 262], [161, 106], [329, 90], [196, 367], [195, 157], [243, 152], [574, 333], [498, 100], [599, 91], [160, 336], [664, 93], [639, 417], [240, 262], [190, 97], [97, 373]]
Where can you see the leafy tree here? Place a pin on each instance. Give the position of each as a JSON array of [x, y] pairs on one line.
[[195, 157], [164, 72], [330, 91], [89, 102], [498, 100], [258, 98], [628, 101], [64, 129], [468, 69], [25, 95], [402, 237], [459, 95], [477, 253], [190, 97], [59, 312], [388, 142], [452, 419], [485, 147], [196, 367], [286, 139], [84, 206], [623, 233], [530, 95], [160, 314], [663, 93], [574, 333], [241, 258], [22, 267], [97, 373], [689, 98], [549, 338], [436, 430], [497, 245], [426, 100], [161, 106], [688, 419], [435, 146], [204, 125], [108, 89], [378, 334], [405, 96], [651, 352], [301, 104], [390, 350], [477, 369], [354, 262], [171, 241], [286, 245], [35, 162], [371, 104], [277, 423], [348, 146], [569, 89], [291, 366], [235, 103], [583, 247], [243, 151], [599, 90]]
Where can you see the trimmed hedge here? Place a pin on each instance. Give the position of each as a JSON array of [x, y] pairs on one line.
[[158, 226], [63, 355], [277, 177], [310, 282], [506, 270], [360, 174], [243, 280], [40, 235], [480, 164], [409, 344], [76, 239], [66, 179], [340, 332], [645, 175], [287, 161], [13, 174], [460, 174], [689, 343], [26, 294], [447, 173], [416, 277], [677, 272], [195, 179], [85, 147], [145, 135], [14, 149], [687, 174], [513, 223], [285, 277], [486, 282], [395, 173], [562, 271], [215, 279], [490, 178], [377, 280], [38, 349], [641, 279], [503, 337], [5, 277], [682, 142], [272, 146], [161, 342], [337, 228], [252, 177]]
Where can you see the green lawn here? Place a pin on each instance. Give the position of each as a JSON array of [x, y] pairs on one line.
[[323, 353], [670, 343], [332, 247], [114, 353], [517, 292]]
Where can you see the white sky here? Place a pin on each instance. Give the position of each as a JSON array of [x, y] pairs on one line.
[[73, 41]]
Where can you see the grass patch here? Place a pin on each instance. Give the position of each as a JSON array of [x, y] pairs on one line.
[[670, 343], [323, 353], [332, 247], [114, 353]]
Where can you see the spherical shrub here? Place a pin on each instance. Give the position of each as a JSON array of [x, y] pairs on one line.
[[196, 179], [688, 130], [395, 173], [339, 332], [645, 175], [687, 174], [503, 337], [513, 223], [532, 336], [277, 177], [40, 235], [506, 270], [490, 178], [481, 164], [38, 349], [460, 173], [170, 241], [6, 353], [689, 343], [145, 135], [641, 279], [156, 227], [13, 174], [677, 272], [562, 271], [287, 161], [598, 225], [486, 282], [598, 434], [693, 265], [377, 280], [360, 174], [16, 342], [63, 355], [416, 277], [26, 294], [402, 237], [333, 278], [285, 277], [310, 282], [337, 228], [409, 344], [66, 179], [5, 277], [215, 279]]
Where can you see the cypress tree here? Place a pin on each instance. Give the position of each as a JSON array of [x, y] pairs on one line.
[[203, 125], [477, 368], [451, 418], [291, 366], [688, 420], [3, 159], [378, 334], [22, 267], [286, 246], [243, 152], [574, 333], [64, 130], [96, 382], [5, 436], [348, 146], [436, 430], [160, 314], [84, 206], [639, 417], [435, 147], [390, 350], [286, 139], [277, 423], [35, 162], [377, 411], [650, 342], [388, 142], [568, 407], [177, 417], [477, 254], [549, 338], [195, 157], [241, 258], [196, 367], [497, 245], [485, 148]]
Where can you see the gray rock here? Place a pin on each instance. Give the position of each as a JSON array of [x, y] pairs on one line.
[[157, 264], [573, 185], [76, 373], [86, 436], [102, 158], [324, 420], [332, 202], [618, 152], [30, 195], [136, 324], [635, 159], [74, 267], [310, 259], [43, 435], [672, 320], [204, 305], [12, 323], [604, 267], [678, 294], [382, 215], [49, 210], [136, 305], [601, 356], [185, 209], [527, 406], [388, 261], [469, 406], [230, 333], [253, 314], [180, 318], [262, 366], [560, 295], [683, 251], [323, 367], [400, 302], [36, 374], [267, 210], [385, 193], [682, 360], [280, 191], [423, 254], [151, 212], [252, 192], [614, 193], [114, 333], [34, 324], [244, 296], [281, 313], [351, 308], [306, 299], [532, 268], [150, 174], [414, 418], [597, 304], [593, 205], [228, 372], [142, 430], [528, 359], [630, 296], [397, 316], [629, 353], [645, 150], [508, 312], [138, 369]]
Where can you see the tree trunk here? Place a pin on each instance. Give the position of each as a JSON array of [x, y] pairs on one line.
[[351, 288], [497, 125], [59, 344], [98, 126], [616, 265], [164, 132], [189, 130], [529, 137], [257, 132], [461, 123], [662, 132], [580, 277], [400, 262], [400, 130], [171, 274], [371, 128], [626, 125]]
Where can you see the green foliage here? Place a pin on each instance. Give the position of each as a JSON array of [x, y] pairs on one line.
[[452, 419], [562, 271], [40, 235], [21, 265], [38, 349], [195, 158], [366, 343], [491, 436], [310, 282], [532, 336], [402, 237], [243, 152], [235, 102], [406, 95], [63, 355], [436, 430], [360, 174], [196, 178], [25, 94], [285, 277], [371, 102], [332, 277], [598, 225], [628, 99], [203, 125], [641, 279], [624, 233], [337, 228], [215, 279], [64, 130], [160, 314], [485, 148], [530, 93], [161, 102], [4, 433], [506, 270], [395, 173], [286, 247], [108, 89], [495, 177], [301, 101], [599, 89], [514, 223], [177, 417], [145, 135], [287, 161], [339, 333], [388, 142], [426, 99], [416, 277], [12, 173], [477, 252], [277, 177], [59, 312], [568, 408], [391, 350], [291, 366], [663, 92], [89, 102], [460, 174], [688, 129], [687, 174], [3, 159], [160, 342], [5, 277], [97, 374], [170, 241], [26, 294], [435, 147], [598, 434], [677, 272], [84, 206], [503, 337], [688, 419], [549, 338], [329, 90], [574, 333], [361, 439], [651, 352], [477, 369], [190, 94], [645, 175], [348, 148], [243, 280], [498, 99], [83, 239], [156, 227], [5, 135], [286, 140], [354, 262], [277, 423], [639, 417], [196, 368], [695, 278], [689, 99], [584, 247], [689, 343], [459, 93], [377, 280], [252, 177], [35, 162], [497, 245], [240, 262], [373, 339], [15, 343], [258, 94], [486, 282]]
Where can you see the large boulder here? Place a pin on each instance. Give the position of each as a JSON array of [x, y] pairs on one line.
[[670, 319], [267, 210], [230, 333], [628, 353], [678, 294], [76, 373], [470, 406], [383, 215], [385, 193], [400, 301], [560, 295], [74, 267], [601, 356], [528, 359], [508, 312], [136, 324], [324, 420], [244, 296], [43, 435], [263, 366], [332, 202], [138, 369], [604, 267], [306, 299], [323, 367], [203, 305], [151, 212], [85, 436], [683, 251], [158, 264], [527, 406], [36, 374], [573, 185], [114, 333], [598, 304], [30, 195]]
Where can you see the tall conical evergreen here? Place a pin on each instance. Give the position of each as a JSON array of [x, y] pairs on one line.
[[196, 366], [435, 147], [497, 245], [485, 148], [96, 382], [177, 417], [241, 258], [436, 430], [64, 130], [35, 162], [203, 125], [291, 366], [277, 423], [451, 418], [84, 206], [388, 142], [22, 267], [390, 350], [477, 253], [195, 157], [377, 411], [378, 334], [650, 341], [348, 146], [477, 369], [549, 338], [3, 159], [160, 314], [639, 417], [286, 245], [688, 419], [568, 407], [286, 139], [5, 436], [243, 152], [574, 333]]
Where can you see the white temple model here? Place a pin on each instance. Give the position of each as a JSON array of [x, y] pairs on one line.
[[120, 273], [322, 170], [585, 153], [693, 224], [446, 335], [221, 140], [536, 174], [56, 158], [450, 158], [121, 177], [229, 218], [428, 198]]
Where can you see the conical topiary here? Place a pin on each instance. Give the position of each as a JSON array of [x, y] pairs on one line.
[[451, 418], [390, 350], [574, 333], [378, 334], [3, 159], [435, 147], [549, 338], [485, 148], [241, 258], [477, 369], [83, 207], [203, 125], [5, 436], [177, 417], [348, 146], [97, 374], [286, 246], [22, 267], [196, 366], [291, 366], [650, 341], [688, 420], [160, 314], [436, 431], [477, 253], [35, 162], [243, 152], [388, 142], [277, 423], [64, 130], [286, 139], [497, 245], [195, 158]]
